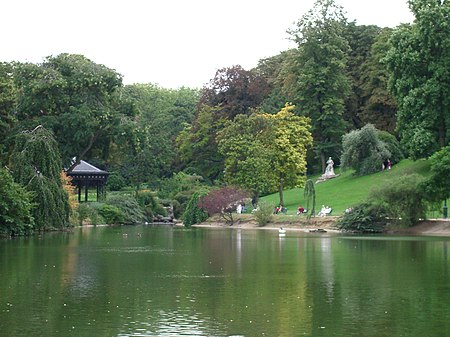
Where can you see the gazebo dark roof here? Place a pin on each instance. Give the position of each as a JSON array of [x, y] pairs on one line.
[[85, 175], [85, 168]]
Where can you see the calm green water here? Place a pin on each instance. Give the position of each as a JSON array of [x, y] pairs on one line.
[[223, 282]]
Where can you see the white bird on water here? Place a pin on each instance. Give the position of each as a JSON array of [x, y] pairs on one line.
[[281, 231]]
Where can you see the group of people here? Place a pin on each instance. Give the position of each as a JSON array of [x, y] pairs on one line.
[[324, 211], [386, 165], [279, 209], [240, 208]]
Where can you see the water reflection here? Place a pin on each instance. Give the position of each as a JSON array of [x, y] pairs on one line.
[[170, 282]]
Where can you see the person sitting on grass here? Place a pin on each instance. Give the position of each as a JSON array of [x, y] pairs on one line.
[[325, 210], [300, 210]]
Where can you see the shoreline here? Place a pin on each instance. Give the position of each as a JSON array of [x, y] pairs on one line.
[[432, 227]]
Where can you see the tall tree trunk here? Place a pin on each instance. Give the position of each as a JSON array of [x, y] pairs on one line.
[[322, 160], [442, 133], [280, 191]]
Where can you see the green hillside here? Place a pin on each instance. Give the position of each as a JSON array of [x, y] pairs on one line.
[[347, 190]]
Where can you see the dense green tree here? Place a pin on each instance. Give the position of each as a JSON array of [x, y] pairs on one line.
[[322, 83], [7, 105], [437, 185], [197, 144], [364, 151], [246, 144], [150, 152], [37, 166], [418, 61], [73, 96], [15, 207], [378, 106], [360, 40]]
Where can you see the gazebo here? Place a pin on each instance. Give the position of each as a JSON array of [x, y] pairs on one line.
[[85, 175]]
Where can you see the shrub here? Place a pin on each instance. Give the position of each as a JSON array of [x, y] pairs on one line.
[[363, 151], [111, 214], [403, 200], [263, 214], [88, 212], [128, 205], [115, 181], [193, 213], [15, 207], [365, 217], [223, 201]]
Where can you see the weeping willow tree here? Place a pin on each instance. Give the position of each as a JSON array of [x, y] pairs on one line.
[[310, 195], [37, 165]]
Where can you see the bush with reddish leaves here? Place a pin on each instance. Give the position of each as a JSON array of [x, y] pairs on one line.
[[223, 201]]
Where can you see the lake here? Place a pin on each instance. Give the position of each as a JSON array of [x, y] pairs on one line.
[[170, 281]]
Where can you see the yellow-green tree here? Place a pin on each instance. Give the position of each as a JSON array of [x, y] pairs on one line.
[[265, 152], [291, 142]]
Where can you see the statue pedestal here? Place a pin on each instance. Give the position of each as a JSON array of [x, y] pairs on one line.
[[325, 177]]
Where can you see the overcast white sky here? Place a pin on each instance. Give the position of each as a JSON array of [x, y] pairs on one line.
[[171, 43]]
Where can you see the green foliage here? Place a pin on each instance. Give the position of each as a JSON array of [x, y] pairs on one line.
[[37, 166], [363, 151], [74, 97], [86, 212], [115, 181], [437, 186], [322, 83], [392, 145], [364, 217], [7, 104], [403, 199], [263, 213], [193, 213], [309, 194], [292, 139], [247, 146], [263, 152], [378, 106], [152, 205], [418, 61], [360, 40], [197, 145], [128, 205], [149, 143], [111, 214], [15, 207]]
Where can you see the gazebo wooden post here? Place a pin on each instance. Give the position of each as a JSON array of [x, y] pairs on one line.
[[86, 191]]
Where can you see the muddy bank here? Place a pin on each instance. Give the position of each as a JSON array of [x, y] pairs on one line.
[[437, 227]]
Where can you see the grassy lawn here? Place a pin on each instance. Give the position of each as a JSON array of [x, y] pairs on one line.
[[347, 189]]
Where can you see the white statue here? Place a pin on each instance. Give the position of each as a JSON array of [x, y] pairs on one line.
[[329, 171]]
